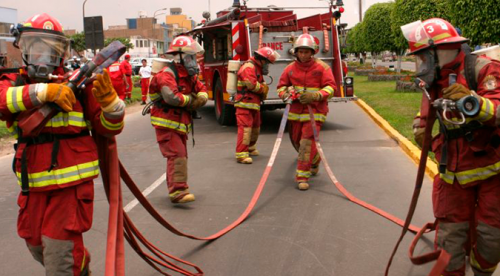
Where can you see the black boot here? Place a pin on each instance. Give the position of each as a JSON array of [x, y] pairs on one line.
[[195, 115]]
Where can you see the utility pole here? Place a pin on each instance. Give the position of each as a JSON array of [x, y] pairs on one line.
[[360, 11]]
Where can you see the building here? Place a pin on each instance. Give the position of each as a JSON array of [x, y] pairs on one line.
[[8, 17], [148, 37], [178, 23]]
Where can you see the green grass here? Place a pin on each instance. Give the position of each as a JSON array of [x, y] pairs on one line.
[[3, 129], [398, 108]]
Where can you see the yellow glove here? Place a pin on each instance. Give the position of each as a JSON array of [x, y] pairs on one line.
[[57, 93], [198, 102], [265, 91], [456, 91], [104, 92], [419, 134], [309, 97]]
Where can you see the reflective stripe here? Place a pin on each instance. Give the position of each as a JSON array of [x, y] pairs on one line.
[[62, 176], [426, 40], [185, 100], [257, 87], [154, 96], [202, 94], [474, 263], [157, 121], [305, 174], [469, 176], [15, 99], [281, 89], [109, 125], [63, 119], [302, 89], [242, 154], [305, 117], [247, 105], [486, 112], [329, 90]]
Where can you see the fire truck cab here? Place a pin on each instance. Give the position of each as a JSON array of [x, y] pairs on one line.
[[238, 31]]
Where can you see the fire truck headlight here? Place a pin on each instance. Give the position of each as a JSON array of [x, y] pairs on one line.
[[239, 49], [348, 81]]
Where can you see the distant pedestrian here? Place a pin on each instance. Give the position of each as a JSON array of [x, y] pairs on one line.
[[127, 69], [145, 72]]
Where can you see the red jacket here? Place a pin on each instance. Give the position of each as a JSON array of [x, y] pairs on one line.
[[250, 86], [77, 157], [126, 68], [314, 75], [172, 99], [116, 72], [479, 159]]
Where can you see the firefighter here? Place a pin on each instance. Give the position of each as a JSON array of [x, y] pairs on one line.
[[55, 167], [252, 90], [466, 193], [176, 92], [118, 79], [126, 68], [311, 80]]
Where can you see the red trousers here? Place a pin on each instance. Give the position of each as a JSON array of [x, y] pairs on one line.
[[120, 88], [302, 137], [248, 121], [173, 147], [464, 214], [52, 224], [144, 88], [128, 92]]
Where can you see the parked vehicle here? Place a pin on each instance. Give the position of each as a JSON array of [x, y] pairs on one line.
[[137, 63], [239, 31]]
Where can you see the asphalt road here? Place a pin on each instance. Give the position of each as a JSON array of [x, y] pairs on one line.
[[290, 232]]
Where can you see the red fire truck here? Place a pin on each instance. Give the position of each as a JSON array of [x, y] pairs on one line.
[[240, 30]]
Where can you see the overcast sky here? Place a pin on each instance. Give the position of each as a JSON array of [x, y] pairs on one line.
[[114, 12]]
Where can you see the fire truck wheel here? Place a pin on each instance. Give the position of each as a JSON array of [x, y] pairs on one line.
[[224, 113]]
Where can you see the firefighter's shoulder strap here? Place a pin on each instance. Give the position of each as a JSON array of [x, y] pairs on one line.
[[171, 67], [470, 67]]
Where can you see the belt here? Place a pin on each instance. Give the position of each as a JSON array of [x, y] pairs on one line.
[[43, 138]]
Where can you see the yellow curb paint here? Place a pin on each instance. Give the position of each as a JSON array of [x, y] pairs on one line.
[[411, 150]]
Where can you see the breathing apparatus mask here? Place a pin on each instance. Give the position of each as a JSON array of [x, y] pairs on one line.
[[430, 62], [265, 68], [43, 53], [189, 62]]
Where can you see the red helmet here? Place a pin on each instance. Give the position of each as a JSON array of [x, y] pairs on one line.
[[306, 41], [185, 44], [41, 40], [267, 53], [430, 33]]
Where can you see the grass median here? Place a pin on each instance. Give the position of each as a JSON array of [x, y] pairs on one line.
[[397, 108]]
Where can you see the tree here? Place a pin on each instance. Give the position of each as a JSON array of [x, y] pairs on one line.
[[376, 29], [78, 43], [407, 11], [123, 40], [478, 19]]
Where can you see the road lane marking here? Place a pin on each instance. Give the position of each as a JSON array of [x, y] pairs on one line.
[[146, 192]]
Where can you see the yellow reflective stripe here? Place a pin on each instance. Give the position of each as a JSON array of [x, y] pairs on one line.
[[15, 99], [474, 263], [305, 117], [281, 89], [242, 154], [257, 87], [154, 96], [186, 100], [83, 261], [247, 105], [62, 176], [305, 174], [329, 90], [202, 94], [63, 119], [301, 89], [486, 112], [316, 158], [483, 173], [447, 177], [109, 125], [437, 37], [157, 121]]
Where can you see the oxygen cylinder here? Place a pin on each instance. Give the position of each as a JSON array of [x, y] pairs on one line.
[[159, 63], [491, 52], [232, 76]]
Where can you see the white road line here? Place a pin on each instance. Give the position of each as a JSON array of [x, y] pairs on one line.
[[146, 192]]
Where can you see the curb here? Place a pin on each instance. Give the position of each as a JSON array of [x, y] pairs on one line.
[[411, 150]]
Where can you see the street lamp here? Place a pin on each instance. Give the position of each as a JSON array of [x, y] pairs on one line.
[[153, 22], [84, 8]]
